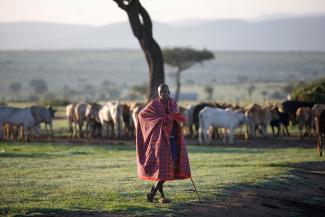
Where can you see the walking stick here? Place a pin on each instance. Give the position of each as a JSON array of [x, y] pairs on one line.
[[195, 190]]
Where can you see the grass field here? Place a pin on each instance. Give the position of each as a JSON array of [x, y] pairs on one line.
[[62, 178]]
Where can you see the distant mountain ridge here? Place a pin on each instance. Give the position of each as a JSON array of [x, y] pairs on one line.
[[289, 33]]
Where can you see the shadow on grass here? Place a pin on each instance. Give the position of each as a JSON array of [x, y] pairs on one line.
[[299, 193], [52, 212], [282, 196], [223, 150], [27, 155]]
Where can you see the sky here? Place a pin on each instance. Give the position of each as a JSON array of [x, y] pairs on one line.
[[101, 12]]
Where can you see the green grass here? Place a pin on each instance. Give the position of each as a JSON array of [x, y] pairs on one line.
[[45, 178]]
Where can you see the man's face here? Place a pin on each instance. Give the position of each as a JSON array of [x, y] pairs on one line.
[[163, 93]]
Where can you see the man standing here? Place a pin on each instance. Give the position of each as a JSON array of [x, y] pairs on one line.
[[161, 152]]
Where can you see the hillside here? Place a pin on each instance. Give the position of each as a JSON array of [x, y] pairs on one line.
[[290, 33]]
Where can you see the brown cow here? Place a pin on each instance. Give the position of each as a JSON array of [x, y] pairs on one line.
[[259, 117], [128, 122], [320, 129], [304, 119]]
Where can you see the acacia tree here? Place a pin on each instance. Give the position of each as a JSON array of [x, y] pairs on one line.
[[141, 26], [209, 90], [182, 59]]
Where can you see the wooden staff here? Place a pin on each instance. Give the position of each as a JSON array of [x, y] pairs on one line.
[[195, 190]]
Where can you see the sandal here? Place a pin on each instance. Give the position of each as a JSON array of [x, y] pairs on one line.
[[164, 200]]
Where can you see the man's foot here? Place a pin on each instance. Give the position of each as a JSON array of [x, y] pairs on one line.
[[151, 195], [164, 200]]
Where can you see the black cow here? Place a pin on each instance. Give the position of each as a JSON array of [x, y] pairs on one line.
[[282, 120], [196, 112], [290, 107]]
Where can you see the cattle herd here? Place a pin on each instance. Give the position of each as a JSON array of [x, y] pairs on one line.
[[204, 120]]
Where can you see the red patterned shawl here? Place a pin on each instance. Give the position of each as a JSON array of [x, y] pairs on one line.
[[154, 157]]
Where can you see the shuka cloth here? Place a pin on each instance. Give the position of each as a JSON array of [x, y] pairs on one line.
[[153, 143]]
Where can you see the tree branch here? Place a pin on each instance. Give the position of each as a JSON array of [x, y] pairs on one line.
[[121, 4]]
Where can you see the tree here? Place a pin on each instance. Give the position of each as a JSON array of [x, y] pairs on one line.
[[15, 88], [313, 91], [138, 90], [250, 90], [264, 94], [182, 59], [141, 26], [39, 86], [209, 90]]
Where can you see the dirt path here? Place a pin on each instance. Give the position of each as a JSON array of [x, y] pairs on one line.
[[287, 200]]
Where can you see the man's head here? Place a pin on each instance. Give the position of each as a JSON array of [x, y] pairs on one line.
[[163, 92]]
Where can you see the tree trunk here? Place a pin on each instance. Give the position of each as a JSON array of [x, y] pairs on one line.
[[141, 26], [178, 84]]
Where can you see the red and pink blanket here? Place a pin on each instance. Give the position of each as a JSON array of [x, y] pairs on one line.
[[154, 155]]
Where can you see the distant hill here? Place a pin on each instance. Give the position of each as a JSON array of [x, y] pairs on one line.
[[288, 33]]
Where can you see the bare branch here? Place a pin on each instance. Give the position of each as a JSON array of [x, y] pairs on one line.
[[121, 4]]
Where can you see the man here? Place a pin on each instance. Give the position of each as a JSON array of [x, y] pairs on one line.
[[161, 152]]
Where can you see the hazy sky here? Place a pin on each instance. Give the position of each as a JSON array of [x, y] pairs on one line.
[[100, 12]]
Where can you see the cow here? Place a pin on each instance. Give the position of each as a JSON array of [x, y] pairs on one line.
[[135, 112], [320, 129], [44, 115], [111, 116], [220, 118], [116, 111], [317, 108], [19, 116], [189, 119], [291, 106], [93, 124], [259, 118], [281, 122], [105, 118], [304, 118], [80, 114], [196, 112], [128, 122], [72, 119]]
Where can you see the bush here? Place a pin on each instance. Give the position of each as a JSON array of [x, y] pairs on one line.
[[311, 92], [54, 102]]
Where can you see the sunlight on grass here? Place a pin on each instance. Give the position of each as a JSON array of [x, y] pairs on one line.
[[56, 177]]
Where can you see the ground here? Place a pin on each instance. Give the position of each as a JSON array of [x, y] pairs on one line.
[[306, 198], [287, 200]]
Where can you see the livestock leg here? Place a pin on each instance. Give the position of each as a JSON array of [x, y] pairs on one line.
[[80, 133], [264, 129], [224, 136], [277, 125], [200, 135], [320, 144], [231, 135], [71, 133], [285, 130], [248, 131], [300, 127], [51, 130]]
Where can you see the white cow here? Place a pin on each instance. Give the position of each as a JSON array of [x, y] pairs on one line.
[[135, 113], [189, 119], [116, 111], [106, 118], [80, 114], [92, 120], [71, 117], [220, 118], [19, 116], [44, 115]]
